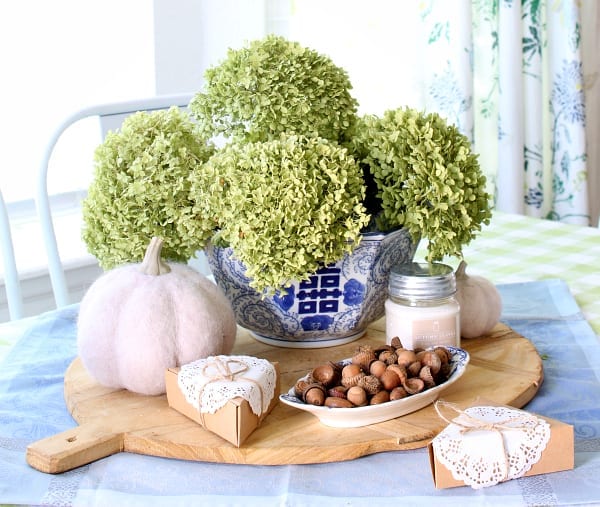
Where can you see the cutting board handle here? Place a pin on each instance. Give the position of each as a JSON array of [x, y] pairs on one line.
[[73, 448]]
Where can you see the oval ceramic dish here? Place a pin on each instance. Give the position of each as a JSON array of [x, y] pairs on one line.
[[371, 414]]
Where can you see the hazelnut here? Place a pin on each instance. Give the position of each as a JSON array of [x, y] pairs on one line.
[[380, 397], [333, 402], [337, 391]]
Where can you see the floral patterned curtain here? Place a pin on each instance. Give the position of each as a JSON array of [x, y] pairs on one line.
[[508, 73]]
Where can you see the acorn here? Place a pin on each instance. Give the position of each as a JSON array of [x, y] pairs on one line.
[[328, 374], [377, 368], [357, 395], [389, 379], [398, 393], [371, 384], [364, 356], [314, 394]]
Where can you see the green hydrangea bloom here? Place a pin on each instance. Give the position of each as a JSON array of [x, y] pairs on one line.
[[287, 206], [427, 178], [141, 188], [274, 86]]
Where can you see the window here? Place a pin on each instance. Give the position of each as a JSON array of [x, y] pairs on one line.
[[58, 57], [61, 56]]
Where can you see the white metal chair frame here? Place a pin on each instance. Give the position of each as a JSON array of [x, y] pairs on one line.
[[12, 283], [117, 111]]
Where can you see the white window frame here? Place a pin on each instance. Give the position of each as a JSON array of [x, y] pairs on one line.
[[185, 44]]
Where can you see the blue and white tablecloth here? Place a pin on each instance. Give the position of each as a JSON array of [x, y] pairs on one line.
[[32, 407]]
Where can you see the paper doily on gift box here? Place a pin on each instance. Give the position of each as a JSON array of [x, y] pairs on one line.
[[487, 445], [208, 384]]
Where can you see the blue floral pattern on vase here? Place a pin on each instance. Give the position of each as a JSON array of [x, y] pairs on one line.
[[354, 292], [316, 323], [334, 305], [285, 300]]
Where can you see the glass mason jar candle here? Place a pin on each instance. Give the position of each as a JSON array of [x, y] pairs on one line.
[[421, 308]]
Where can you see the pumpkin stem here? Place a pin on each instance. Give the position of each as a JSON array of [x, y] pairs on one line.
[[461, 269], [152, 263]]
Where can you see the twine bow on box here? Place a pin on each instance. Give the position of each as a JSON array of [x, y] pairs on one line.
[[475, 470], [222, 371]]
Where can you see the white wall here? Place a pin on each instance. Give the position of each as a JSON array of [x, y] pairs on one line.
[[192, 35]]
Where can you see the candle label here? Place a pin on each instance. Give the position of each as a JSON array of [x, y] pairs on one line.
[[430, 332]]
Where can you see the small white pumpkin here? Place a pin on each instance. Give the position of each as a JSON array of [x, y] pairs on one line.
[[480, 303], [137, 320]]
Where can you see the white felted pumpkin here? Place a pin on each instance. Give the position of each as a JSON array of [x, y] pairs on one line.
[[480, 303], [137, 320]]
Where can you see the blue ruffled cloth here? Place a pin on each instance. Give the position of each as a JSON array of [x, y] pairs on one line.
[[32, 407]]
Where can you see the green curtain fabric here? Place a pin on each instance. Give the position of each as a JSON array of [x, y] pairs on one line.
[[509, 74]]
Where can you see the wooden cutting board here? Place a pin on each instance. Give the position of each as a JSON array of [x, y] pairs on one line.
[[505, 367]]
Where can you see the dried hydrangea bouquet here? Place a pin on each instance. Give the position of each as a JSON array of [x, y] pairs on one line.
[[303, 207]]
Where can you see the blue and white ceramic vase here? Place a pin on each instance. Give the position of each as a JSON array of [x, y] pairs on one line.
[[333, 307]]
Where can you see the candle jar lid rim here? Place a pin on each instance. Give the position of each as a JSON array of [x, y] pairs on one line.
[[416, 280]]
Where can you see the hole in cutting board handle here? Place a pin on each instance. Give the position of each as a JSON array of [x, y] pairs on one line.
[[73, 448]]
